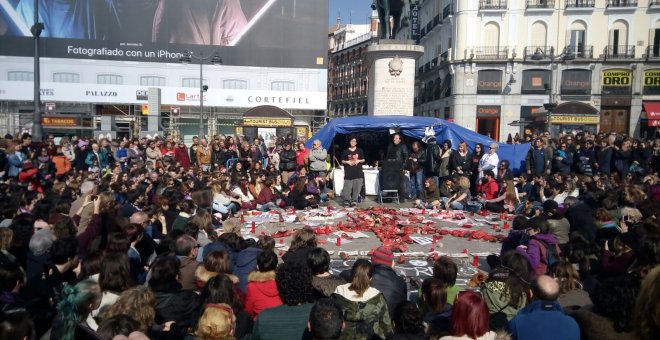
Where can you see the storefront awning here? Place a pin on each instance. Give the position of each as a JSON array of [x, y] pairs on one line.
[[652, 110]]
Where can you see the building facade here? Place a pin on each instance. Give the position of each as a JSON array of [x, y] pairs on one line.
[[491, 65], [347, 70]]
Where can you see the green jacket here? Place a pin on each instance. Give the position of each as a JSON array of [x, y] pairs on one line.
[[365, 317], [283, 322]]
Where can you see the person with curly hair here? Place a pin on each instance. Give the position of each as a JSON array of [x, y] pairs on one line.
[[304, 240], [138, 303], [221, 290], [217, 322], [611, 316], [289, 320]]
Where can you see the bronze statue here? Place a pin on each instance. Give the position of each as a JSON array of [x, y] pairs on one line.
[[399, 10]]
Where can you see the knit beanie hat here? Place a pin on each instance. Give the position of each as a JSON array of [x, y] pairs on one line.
[[382, 256]]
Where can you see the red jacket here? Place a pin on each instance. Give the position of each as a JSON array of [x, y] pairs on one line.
[[30, 175], [489, 190], [261, 293], [182, 156], [300, 156]]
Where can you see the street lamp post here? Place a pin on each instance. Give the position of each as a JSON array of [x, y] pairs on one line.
[[188, 57], [37, 134]]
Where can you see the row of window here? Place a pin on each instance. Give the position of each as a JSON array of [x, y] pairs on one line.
[[114, 79]]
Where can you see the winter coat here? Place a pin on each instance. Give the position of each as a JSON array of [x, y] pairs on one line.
[[287, 160], [581, 219], [574, 299], [154, 154], [261, 293], [596, 327], [181, 155], [391, 285], [543, 320], [498, 299], [245, 262], [324, 286], [560, 228], [102, 158], [317, 159], [365, 317], [533, 251], [431, 161], [203, 155], [15, 161], [397, 153], [62, 165], [530, 160], [297, 256], [176, 304], [187, 269], [445, 163], [302, 157]]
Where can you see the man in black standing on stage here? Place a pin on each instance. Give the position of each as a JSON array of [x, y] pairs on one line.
[[397, 154]]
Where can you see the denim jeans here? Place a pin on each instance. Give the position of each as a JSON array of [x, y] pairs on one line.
[[453, 205], [268, 206], [416, 186]]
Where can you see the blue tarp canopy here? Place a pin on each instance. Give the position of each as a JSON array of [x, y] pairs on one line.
[[414, 127]]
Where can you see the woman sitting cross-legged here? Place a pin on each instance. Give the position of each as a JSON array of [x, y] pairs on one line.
[[459, 200], [430, 196]]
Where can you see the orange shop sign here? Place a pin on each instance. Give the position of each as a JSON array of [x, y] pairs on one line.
[[59, 121]]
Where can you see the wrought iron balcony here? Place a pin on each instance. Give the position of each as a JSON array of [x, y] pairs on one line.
[[620, 52], [579, 52], [540, 3], [580, 3], [538, 52], [491, 53], [621, 3], [653, 52], [492, 4]]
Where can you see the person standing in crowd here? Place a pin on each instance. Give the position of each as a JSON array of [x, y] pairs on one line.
[[397, 154], [352, 159], [606, 155], [445, 160], [460, 162], [287, 162], [490, 160], [203, 155], [432, 161], [317, 160], [475, 160], [414, 165], [302, 155], [539, 159], [98, 155]]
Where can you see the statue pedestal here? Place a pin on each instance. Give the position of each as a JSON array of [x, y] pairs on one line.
[[391, 66]]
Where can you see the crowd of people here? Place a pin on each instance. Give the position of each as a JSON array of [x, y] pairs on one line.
[[140, 239]]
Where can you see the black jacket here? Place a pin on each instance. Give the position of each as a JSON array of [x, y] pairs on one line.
[[393, 286], [580, 217], [397, 153], [288, 160], [176, 304], [297, 256], [432, 160]]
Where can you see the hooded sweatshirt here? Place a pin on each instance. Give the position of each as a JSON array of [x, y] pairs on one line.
[[365, 316], [533, 252], [261, 293]]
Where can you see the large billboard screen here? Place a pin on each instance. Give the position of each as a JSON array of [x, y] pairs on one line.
[[265, 33]]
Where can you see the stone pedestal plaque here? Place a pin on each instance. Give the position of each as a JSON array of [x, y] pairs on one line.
[[392, 77]]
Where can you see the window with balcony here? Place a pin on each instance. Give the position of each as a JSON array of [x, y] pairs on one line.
[[152, 81], [580, 3], [283, 86], [66, 77], [540, 3], [20, 76], [621, 3], [109, 79], [492, 4], [618, 42], [234, 84]]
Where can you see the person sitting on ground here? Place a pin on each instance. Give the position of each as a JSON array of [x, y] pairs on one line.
[[217, 322], [386, 280], [408, 322], [544, 317], [76, 303], [326, 320], [571, 294], [365, 307], [506, 289], [261, 288], [469, 319], [430, 196], [438, 315], [323, 282], [488, 187], [289, 320], [304, 240], [458, 201], [542, 247], [186, 250], [506, 201]]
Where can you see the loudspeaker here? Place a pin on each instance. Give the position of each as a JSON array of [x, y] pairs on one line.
[[390, 176]]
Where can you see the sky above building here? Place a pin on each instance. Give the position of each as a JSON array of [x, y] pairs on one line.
[[351, 11]]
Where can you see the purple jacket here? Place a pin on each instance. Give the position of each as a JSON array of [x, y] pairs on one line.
[[533, 252]]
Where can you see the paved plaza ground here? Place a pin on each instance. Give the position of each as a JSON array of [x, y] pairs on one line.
[[416, 263]]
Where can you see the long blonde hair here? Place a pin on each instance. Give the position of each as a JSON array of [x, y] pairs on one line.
[[138, 303], [217, 322]]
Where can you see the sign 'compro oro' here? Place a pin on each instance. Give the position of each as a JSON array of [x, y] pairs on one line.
[[617, 81], [652, 81]]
